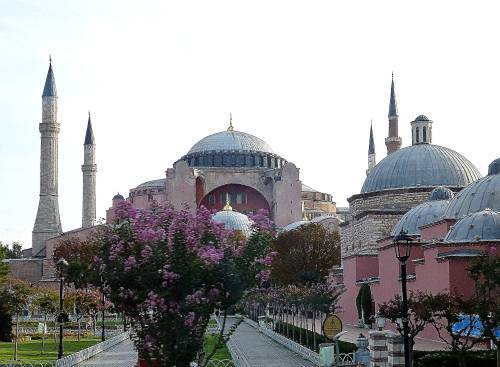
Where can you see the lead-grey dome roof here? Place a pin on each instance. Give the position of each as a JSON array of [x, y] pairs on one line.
[[421, 215], [234, 221], [440, 193], [295, 225], [231, 141], [482, 194], [480, 226], [154, 183], [421, 165]]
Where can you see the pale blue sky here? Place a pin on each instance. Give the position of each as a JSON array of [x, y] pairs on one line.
[[306, 76]]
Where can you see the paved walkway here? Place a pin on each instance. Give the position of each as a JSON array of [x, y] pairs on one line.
[[257, 350], [253, 348], [121, 355]]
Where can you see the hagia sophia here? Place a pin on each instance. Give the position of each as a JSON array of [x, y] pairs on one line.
[[432, 192]]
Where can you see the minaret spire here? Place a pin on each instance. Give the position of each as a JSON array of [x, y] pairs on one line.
[[393, 141], [372, 161], [89, 170], [47, 222]]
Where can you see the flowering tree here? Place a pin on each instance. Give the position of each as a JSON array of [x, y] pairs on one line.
[[168, 270]]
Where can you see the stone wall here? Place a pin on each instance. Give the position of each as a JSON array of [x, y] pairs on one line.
[[29, 270]]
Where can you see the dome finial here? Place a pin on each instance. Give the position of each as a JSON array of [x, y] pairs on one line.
[[228, 207], [230, 128], [50, 59]]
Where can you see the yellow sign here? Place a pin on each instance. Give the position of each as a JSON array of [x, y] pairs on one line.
[[331, 326]]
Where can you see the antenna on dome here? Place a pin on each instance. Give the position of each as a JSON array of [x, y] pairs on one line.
[[230, 128]]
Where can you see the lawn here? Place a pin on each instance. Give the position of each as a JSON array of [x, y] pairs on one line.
[[31, 349], [222, 353]]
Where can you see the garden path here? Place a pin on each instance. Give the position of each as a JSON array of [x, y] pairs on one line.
[[121, 355], [253, 349]]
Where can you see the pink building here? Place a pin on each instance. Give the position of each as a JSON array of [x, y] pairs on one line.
[[449, 231]]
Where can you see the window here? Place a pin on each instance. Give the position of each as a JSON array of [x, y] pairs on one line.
[[239, 198], [150, 197], [424, 133], [417, 134], [211, 200]]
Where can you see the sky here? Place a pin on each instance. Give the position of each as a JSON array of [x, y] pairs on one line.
[[305, 76]]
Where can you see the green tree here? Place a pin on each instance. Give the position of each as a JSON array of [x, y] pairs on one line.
[[4, 267], [79, 255], [47, 302], [419, 315], [15, 251], [17, 295], [305, 255], [364, 303], [486, 275]]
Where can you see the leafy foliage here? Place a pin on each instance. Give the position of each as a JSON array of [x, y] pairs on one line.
[[79, 255], [15, 251], [305, 255], [5, 322]]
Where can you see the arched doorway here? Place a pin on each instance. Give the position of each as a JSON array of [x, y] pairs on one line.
[[243, 199]]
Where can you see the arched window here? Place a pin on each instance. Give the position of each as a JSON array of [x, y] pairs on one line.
[[417, 134], [424, 134]]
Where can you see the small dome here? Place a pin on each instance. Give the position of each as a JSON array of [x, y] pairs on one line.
[[482, 194], [231, 141], [440, 193], [480, 226], [154, 183], [494, 167], [421, 215], [118, 197], [234, 221], [422, 165], [422, 118], [295, 225]]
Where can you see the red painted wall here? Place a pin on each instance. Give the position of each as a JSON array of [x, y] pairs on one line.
[[254, 200]]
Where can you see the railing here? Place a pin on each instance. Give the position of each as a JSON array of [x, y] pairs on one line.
[[27, 363], [221, 363], [87, 353], [306, 353]]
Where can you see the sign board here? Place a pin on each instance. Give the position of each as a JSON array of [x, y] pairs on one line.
[[331, 326]]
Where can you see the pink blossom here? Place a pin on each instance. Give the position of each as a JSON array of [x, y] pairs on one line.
[[188, 321], [211, 255], [129, 263]]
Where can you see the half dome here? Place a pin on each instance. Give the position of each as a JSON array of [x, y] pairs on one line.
[[231, 141], [423, 165], [482, 194], [480, 226]]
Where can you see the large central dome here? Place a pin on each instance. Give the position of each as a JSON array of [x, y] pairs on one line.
[[231, 141], [233, 149], [422, 165]]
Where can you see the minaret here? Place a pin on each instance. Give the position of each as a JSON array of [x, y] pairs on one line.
[[393, 141], [89, 169], [372, 161], [47, 222]]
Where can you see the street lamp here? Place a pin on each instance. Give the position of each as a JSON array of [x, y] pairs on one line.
[[402, 247], [380, 321], [61, 266]]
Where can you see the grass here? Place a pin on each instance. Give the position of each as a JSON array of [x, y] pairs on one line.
[[222, 353], [30, 350]]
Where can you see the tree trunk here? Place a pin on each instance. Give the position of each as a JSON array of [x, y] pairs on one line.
[[43, 333], [498, 354], [17, 336], [79, 328]]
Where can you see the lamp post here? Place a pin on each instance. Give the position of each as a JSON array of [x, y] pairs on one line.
[[380, 321], [103, 334], [61, 265], [402, 247]]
